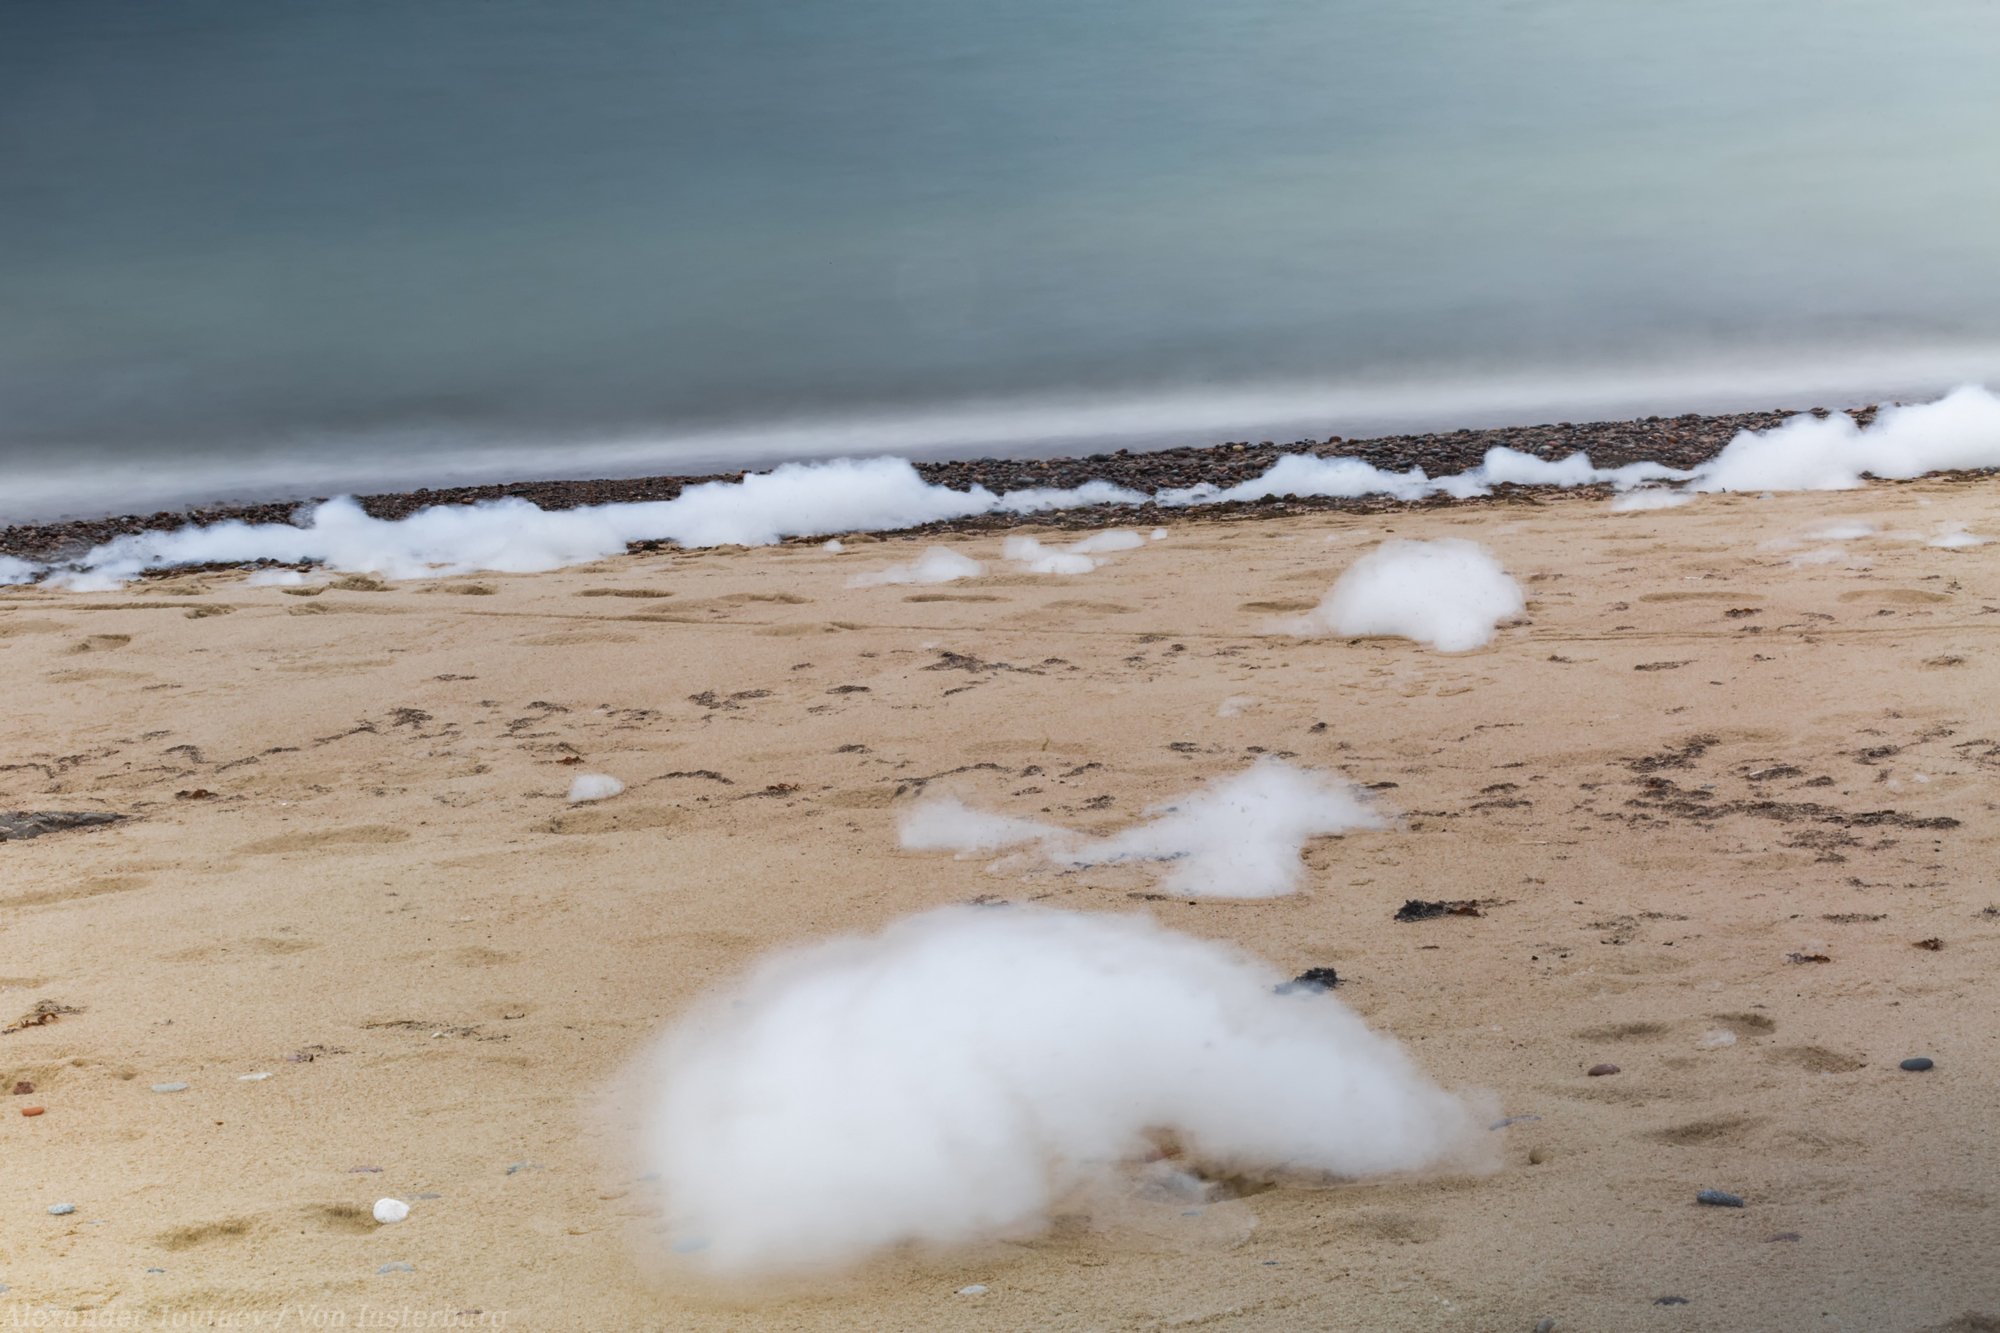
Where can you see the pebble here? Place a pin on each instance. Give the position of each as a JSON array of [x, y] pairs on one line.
[[170, 1087], [33, 1110], [1716, 1040], [1599, 1071], [1545, 1326], [974, 1290], [519, 1167], [398, 1267], [156, 1270], [390, 1210], [24, 1088], [1916, 1064], [1671, 1300], [1719, 1199], [61, 1209], [252, 1078]]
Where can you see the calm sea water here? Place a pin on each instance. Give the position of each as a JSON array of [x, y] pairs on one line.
[[249, 247]]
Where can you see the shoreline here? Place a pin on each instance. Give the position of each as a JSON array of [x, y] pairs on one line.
[[1680, 441]]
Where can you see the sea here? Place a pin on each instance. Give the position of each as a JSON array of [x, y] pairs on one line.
[[254, 250]]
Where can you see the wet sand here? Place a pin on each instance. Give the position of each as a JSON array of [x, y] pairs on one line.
[[347, 863]]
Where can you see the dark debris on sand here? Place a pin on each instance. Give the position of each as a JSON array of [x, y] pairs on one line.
[[1681, 441], [20, 824]]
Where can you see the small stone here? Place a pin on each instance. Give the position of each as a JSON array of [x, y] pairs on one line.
[[170, 1087], [519, 1167], [974, 1290], [24, 1089], [33, 1110], [156, 1270], [398, 1267], [1719, 1199], [61, 1209], [1545, 1326], [1916, 1064], [1783, 1236], [388, 1211], [252, 1078], [1716, 1040], [1671, 1300], [1599, 1071]]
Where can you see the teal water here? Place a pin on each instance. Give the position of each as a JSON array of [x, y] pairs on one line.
[[254, 246]]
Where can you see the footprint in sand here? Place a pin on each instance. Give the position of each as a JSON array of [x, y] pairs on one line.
[[99, 643], [1906, 596], [1815, 1059], [362, 835], [204, 1233], [1718, 1129], [95, 886]]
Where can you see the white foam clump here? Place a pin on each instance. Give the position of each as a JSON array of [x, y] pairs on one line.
[[14, 570], [1450, 594], [1650, 497], [1079, 557], [1841, 532], [1808, 453], [956, 1077], [947, 824], [275, 578], [1237, 837], [1956, 539], [594, 787], [937, 565]]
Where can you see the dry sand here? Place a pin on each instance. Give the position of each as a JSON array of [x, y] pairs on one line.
[[373, 891]]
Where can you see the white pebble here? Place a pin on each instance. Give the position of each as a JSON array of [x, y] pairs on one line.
[[390, 1210], [974, 1290], [253, 1078], [170, 1087], [1715, 1040], [594, 787]]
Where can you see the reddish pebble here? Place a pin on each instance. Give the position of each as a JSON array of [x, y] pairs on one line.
[[33, 1110], [1599, 1071], [23, 1088]]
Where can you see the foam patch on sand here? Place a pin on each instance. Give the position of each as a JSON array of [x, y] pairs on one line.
[[1450, 594], [1079, 557], [1237, 837], [1808, 453], [946, 824], [1957, 539], [958, 1076], [594, 787], [936, 565], [1960, 431]]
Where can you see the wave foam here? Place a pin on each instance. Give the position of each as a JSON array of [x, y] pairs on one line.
[[1959, 431]]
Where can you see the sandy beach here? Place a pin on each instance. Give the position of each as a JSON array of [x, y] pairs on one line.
[[1713, 797]]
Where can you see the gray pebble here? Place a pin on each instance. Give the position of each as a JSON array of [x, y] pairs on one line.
[[519, 1167], [156, 1270], [1916, 1064], [1671, 1300], [1719, 1199], [397, 1268], [170, 1087], [1545, 1326], [61, 1209]]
